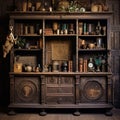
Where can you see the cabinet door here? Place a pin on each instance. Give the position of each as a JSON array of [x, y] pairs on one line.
[[59, 90], [93, 89], [27, 90]]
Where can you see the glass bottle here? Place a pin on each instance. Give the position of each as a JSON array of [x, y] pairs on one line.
[[98, 29], [24, 5], [29, 5], [38, 5], [53, 4]]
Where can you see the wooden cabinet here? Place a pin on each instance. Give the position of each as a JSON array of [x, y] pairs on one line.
[[64, 58]]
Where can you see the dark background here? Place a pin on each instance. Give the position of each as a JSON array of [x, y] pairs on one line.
[[114, 5]]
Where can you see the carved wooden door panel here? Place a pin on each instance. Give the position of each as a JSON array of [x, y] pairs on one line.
[[115, 46], [27, 90], [59, 90]]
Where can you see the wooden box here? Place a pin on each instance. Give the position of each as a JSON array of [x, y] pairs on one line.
[[18, 67]]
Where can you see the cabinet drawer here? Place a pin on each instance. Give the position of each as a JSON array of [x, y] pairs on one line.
[[59, 99], [59, 80], [60, 90], [52, 80]]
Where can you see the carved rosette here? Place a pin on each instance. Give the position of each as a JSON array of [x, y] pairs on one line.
[[27, 91]]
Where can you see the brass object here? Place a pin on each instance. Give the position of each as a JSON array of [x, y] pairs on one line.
[[29, 5], [24, 6], [94, 8], [91, 45], [38, 5], [55, 27], [63, 5], [17, 67]]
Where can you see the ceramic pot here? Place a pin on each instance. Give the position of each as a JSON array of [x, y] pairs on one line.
[[28, 68], [94, 8], [91, 45], [63, 5]]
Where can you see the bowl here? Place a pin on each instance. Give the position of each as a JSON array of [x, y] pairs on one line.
[[91, 45]]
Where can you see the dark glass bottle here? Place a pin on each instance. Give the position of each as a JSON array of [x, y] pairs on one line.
[[98, 29]]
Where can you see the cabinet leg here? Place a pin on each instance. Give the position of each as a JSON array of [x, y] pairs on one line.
[[76, 113], [11, 112], [108, 113], [43, 113]]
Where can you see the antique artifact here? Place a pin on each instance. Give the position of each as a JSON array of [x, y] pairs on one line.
[[27, 68], [91, 45], [63, 5], [38, 5], [91, 65], [64, 66], [94, 8], [97, 63], [55, 67], [99, 42], [55, 27], [10, 40], [98, 28], [17, 67]]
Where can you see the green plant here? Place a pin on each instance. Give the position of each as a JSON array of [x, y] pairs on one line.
[[20, 42]]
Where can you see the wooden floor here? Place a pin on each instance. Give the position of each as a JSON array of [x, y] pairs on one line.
[[62, 116]]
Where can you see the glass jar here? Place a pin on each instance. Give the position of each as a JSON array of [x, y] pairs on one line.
[[55, 66], [55, 27], [99, 42]]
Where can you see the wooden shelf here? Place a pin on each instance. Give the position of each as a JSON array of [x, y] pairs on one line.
[[63, 73], [58, 12], [30, 35], [27, 50], [63, 35], [92, 35], [91, 50]]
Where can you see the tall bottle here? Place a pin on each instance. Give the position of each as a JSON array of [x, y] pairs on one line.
[[38, 5], [98, 29], [29, 5], [53, 5]]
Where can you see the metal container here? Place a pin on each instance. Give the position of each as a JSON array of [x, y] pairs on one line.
[[99, 42], [55, 66]]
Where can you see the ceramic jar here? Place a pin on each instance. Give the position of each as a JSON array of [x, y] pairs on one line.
[[91, 45], [28, 68], [63, 5], [55, 66]]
